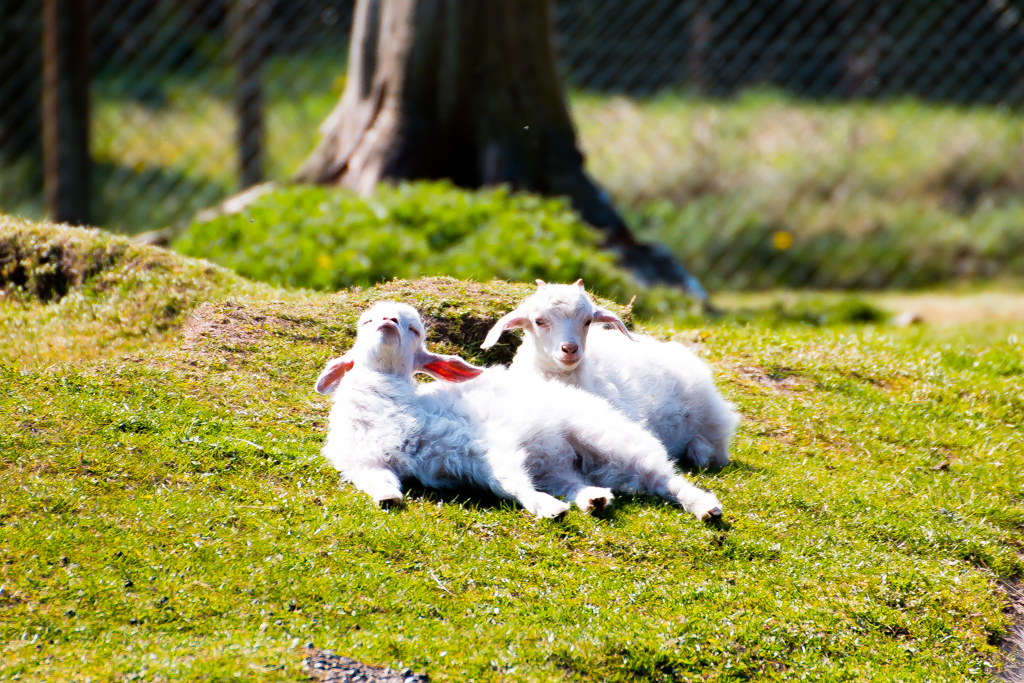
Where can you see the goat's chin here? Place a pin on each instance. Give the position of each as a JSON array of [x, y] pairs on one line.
[[389, 336]]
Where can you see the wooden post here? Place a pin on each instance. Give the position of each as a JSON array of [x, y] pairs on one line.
[[66, 163], [697, 55], [247, 23], [20, 81]]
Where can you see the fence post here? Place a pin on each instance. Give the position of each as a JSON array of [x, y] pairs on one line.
[[66, 163], [247, 24], [701, 27]]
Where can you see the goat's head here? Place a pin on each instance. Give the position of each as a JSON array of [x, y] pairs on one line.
[[557, 318], [389, 339]]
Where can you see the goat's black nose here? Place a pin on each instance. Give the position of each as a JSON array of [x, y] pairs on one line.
[[570, 348], [394, 320]]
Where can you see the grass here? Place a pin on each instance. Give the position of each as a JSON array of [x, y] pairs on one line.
[[166, 515], [761, 191], [767, 190]]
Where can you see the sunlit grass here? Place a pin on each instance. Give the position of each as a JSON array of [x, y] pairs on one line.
[[677, 148], [760, 191], [670, 147], [169, 156], [165, 513], [767, 190]]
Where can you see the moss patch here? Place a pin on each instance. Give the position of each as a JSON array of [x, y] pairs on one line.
[[71, 293]]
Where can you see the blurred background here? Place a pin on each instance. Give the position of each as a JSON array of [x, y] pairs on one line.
[[840, 144]]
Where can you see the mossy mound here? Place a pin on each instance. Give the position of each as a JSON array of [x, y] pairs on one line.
[[68, 293], [47, 261], [458, 315]]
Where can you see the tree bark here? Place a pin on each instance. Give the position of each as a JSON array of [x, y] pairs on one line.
[[469, 91]]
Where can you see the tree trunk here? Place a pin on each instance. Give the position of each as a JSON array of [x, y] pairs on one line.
[[469, 91]]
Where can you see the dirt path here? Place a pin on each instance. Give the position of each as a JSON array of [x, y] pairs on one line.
[[1013, 643], [957, 308], [939, 308]]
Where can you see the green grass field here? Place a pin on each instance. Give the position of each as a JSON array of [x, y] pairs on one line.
[[165, 513], [760, 191]]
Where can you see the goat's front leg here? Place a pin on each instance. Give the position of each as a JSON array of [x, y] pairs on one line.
[[509, 479], [379, 482], [698, 502]]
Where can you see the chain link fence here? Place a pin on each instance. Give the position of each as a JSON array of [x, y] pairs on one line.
[[821, 143]]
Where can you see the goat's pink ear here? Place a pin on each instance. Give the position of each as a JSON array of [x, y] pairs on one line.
[[540, 283], [446, 368], [603, 316], [509, 321], [332, 373], [579, 283]]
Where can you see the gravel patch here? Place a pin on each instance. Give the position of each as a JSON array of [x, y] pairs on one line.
[[324, 665]]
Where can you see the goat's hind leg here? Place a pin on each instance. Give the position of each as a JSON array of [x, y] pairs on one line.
[[509, 479], [593, 499], [698, 502], [623, 455], [572, 486]]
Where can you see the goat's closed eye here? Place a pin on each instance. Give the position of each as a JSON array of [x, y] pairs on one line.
[[541, 322], [414, 330]]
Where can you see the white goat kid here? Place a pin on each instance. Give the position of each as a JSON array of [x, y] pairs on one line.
[[664, 385], [510, 435]]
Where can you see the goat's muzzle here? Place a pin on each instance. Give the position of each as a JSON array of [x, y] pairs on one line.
[[389, 330]]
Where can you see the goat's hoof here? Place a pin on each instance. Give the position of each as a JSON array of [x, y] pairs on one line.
[[712, 515], [389, 502], [593, 499]]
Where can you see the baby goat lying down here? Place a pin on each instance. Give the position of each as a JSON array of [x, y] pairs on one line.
[[521, 437], [661, 384]]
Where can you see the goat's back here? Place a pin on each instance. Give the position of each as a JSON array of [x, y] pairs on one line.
[[662, 384]]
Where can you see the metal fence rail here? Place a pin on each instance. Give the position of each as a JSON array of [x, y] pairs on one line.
[[826, 143], [966, 51]]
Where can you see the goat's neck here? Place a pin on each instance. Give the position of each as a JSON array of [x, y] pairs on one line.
[[381, 386]]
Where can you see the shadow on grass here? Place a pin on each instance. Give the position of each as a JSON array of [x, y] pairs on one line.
[[813, 311], [480, 500], [124, 199], [131, 200], [470, 499], [733, 466]]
